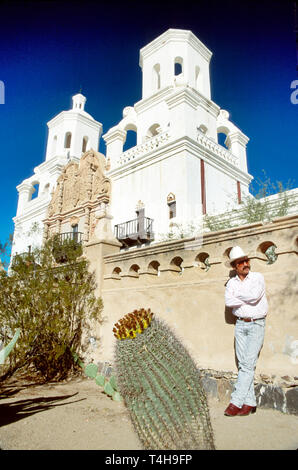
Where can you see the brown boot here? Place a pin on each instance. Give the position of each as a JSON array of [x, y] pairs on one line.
[[246, 410], [232, 410]]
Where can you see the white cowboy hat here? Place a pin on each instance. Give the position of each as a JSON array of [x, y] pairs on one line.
[[235, 253]]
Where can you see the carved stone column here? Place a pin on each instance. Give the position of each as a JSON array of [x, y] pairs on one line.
[[89, 182], [59, 224], [86, 224], [45, 233], [60, 197]]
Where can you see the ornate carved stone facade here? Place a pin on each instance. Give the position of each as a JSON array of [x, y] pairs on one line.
[[81, 198]]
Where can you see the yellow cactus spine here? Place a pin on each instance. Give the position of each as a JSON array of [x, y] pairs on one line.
[[132, 324]]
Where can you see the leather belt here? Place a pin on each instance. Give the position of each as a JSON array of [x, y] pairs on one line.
[[247, 319]]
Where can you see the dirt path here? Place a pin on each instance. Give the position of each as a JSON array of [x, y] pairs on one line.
[[77, 416]]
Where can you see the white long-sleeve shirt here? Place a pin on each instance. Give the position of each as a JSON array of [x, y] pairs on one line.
[[247, 298]]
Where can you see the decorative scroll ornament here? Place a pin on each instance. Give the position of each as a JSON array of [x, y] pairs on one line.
[[79, 183]]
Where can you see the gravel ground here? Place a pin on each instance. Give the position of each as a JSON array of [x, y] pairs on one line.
[[76, 415]]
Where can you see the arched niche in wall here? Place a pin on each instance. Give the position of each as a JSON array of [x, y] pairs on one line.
[[156, 77], [202, 261], [67, 140], [176, 263], [116, 273], [46, 189], [222, 134], [268, 249], [153, 130], [178, 66], [153, 267], [85, 144], [198, 78], [34, 193], [54, 145], [131, 137], [202, 128], [172, 206], [134, 270]]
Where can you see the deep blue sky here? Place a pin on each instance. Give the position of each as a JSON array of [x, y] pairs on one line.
[[49, 50]]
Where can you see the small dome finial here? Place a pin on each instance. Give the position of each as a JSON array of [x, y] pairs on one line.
[[78, 101]]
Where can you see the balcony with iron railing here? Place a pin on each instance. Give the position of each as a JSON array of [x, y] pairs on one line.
[[67, 246], [25, 260], [63, 244], [76, 237], [135, 232], [26, 256]]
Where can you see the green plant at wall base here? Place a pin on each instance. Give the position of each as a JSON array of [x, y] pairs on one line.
[[66, 250], [4, 353], [109, 385], [52, 305], [160, 385]]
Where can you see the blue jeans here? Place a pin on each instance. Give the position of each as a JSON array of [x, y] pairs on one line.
[[249, 337]]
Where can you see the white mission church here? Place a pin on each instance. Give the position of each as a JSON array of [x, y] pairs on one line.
[[176, 173]]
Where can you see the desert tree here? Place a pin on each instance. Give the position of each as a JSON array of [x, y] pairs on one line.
[[50, 294]]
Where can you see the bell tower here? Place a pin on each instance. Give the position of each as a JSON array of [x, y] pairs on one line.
[[175, 57], [178, 151], [73, 132], [176, 86]]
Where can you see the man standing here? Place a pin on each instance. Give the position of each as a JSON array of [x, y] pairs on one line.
[[245, 293]]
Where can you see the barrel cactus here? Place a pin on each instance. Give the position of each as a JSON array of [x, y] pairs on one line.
[[160, 385]]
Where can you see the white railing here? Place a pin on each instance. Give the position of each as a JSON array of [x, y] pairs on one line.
[[209, 144], [148, 146], [160, 139]]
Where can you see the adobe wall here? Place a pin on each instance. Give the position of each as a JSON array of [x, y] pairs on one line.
[[189, 295]]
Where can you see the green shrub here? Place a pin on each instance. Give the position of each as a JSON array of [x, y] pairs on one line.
[[51, 305]]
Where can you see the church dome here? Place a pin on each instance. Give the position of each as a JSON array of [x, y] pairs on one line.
[[78, 104]]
